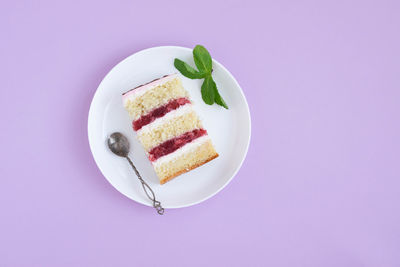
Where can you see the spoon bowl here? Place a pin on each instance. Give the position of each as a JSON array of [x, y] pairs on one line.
[[119, 144]]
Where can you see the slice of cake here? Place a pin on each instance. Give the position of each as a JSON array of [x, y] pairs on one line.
[[168, 127]]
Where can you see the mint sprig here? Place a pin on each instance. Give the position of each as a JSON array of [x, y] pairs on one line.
[[203, 61]]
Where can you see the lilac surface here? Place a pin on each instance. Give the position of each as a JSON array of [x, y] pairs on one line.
[[320, 185]]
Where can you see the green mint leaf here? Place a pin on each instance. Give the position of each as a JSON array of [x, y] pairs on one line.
[[202, 59], [187, 70], [217, 97], [207, 90]]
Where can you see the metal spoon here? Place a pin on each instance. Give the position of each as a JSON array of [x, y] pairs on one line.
[[119, 145]]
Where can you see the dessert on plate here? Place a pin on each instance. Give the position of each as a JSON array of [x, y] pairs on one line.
[[168, 128]]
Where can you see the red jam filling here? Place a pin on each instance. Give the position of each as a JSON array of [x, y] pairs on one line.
[[159, 112], [175, 143]]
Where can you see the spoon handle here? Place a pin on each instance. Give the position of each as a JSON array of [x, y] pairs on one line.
[[147, 189]]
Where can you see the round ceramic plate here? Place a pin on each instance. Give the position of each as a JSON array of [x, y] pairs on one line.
[[229, 129]]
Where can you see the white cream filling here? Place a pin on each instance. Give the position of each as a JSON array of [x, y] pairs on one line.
[[189, 147], [135, 93], [173, 114]]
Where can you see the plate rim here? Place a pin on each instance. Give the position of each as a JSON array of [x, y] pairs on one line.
[[90, 114]]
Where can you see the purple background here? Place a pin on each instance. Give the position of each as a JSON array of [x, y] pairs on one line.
[[320, 185]]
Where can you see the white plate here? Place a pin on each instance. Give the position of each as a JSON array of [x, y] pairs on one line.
[[228, 129]]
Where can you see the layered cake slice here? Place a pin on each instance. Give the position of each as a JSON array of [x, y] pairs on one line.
[[168, 127]]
